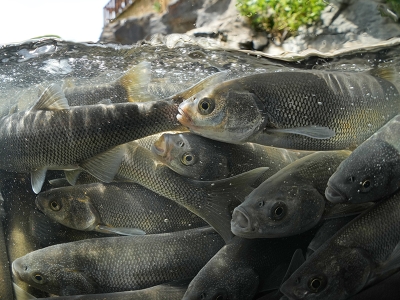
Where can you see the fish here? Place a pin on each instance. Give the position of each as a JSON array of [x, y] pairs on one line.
[[346, 263], [130, 87], [166, 291], [372, 171], [117, 264], [302, 110], [117, 208], [53, 135], [245, 267], [200, 158], [213, 201], [289, 202], [6, 291]]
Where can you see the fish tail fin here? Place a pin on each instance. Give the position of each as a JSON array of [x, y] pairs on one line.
[[135, 82], [223, 196]]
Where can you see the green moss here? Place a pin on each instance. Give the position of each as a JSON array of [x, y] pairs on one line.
[[277, 16]]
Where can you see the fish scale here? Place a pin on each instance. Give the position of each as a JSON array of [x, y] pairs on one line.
[[107, 265], [353, 256]]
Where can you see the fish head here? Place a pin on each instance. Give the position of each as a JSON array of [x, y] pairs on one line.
[[227, 113], [335, 274], [368, 174], [51, 277], [70, 206], [272, 211], [223, 279], [192, 156]]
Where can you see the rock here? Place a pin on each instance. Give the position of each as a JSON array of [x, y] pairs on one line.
[[345, 23]]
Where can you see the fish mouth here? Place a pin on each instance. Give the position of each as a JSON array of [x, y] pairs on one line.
[[292, 294], [241, 224], [16, 269], [160, 146], [333, 195], [183, 118]]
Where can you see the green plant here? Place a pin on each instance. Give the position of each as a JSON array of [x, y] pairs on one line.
[[278, 16], [157, 7]]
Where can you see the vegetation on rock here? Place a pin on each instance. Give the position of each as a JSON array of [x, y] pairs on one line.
[[281, 17]]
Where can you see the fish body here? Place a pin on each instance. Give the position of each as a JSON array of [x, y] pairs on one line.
[[289, 202], [345, 264], [303, 110], [116, 264], [6, 291], [213, 201], [115, 208], [372, 171], [244, 267], [200, 158], [167, 291], [53, 135]]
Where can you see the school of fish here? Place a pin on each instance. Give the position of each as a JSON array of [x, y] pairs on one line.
[[276, 185]]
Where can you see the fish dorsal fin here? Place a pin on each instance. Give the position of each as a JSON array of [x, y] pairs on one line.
[[387, 73], [37, 179], [120, 230], [135, 82], [52, 98], [315, 132], [72, 176], [201, 85], [20, 294], [344, 209], [104, 166]]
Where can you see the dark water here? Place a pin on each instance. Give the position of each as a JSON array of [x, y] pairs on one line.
[[25, 66]]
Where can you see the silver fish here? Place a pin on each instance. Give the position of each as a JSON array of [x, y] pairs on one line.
[[200, 158], [372, 171], [344, 265], [116, 264], [289, 202], [133, 209], [303, 110]]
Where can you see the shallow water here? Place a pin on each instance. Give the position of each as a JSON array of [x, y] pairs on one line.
[[25, 67]]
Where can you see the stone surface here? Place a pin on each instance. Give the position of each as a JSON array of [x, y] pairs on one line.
[[344, 24]]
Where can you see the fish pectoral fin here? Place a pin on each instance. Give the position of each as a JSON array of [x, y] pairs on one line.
[[67, 83], [343, 210], [72, 176], [120, 230], [387, 73], [59, 182], [52, 98], [37, 179], [315, 132], [105, 101], [135, 81], [201, 85], [105, 165], [13, 109], [20, 294]]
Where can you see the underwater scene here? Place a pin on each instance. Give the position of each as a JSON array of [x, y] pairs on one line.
[[173, 169]]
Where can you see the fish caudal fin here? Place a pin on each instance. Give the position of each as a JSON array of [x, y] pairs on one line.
[[135, 82], [223, 196], [105, 166]]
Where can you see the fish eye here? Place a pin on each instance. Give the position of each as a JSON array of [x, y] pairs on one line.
[[206, 106], [55, 206], [38, 278], [278, 211], [366, 186], [261, 203], [316, 284], [188, 159]]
